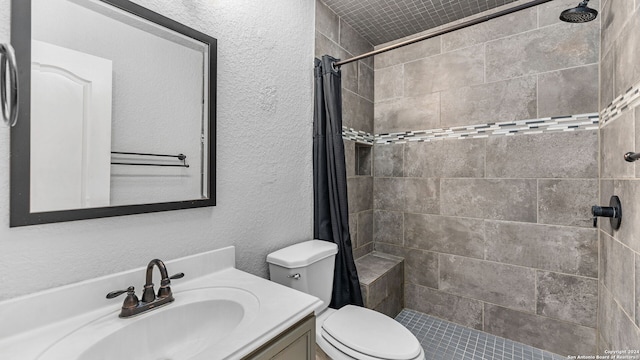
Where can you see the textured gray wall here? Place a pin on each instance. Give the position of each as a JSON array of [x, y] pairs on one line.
[[334, 37], [496, 232], [619, 297]]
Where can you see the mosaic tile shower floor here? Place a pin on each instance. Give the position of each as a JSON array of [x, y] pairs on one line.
[[443, 340]]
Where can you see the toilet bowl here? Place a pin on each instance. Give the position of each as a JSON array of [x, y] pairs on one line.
[[351, 332]]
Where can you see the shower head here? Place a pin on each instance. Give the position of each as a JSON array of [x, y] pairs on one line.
[[579, 14]]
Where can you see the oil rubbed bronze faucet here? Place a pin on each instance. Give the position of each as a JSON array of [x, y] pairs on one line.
[[132, 306]]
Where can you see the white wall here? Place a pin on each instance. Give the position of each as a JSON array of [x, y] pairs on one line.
[[264, 188]]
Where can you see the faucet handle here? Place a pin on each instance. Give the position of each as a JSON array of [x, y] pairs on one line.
[[165, 289], [130, 301], [167, 281]]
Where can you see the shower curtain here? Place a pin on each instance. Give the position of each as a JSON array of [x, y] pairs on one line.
[[331, 214]]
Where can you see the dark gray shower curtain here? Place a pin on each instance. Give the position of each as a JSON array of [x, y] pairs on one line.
[[331, 213]]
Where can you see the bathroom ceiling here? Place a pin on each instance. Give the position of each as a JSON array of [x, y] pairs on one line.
[[380, 21]]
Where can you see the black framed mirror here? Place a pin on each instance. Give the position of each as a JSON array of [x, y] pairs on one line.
[[117, 112]]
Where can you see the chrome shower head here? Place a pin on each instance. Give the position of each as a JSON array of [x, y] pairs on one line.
[[579, 14]]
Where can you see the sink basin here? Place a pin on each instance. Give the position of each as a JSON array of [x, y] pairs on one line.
[[193, 324]]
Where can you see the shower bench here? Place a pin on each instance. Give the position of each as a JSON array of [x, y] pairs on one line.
[[382, 282]]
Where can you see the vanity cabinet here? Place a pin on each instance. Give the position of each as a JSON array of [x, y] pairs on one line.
[[296, 343]]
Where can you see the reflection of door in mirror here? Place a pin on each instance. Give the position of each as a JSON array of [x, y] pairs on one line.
[[70, 129]]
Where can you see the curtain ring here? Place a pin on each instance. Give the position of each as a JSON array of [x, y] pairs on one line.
[[333, 67], [8, 104]]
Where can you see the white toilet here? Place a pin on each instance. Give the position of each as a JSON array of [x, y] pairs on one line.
[[349, 333]]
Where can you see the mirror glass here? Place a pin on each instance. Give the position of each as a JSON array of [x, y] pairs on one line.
[[121, 112]]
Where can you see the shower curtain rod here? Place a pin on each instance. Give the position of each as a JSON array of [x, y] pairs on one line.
[[443, 31]]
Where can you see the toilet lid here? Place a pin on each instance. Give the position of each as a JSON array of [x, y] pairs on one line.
[[371, 333]]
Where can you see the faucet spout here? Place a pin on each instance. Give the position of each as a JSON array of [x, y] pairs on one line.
[[161, 267], [149, 295]]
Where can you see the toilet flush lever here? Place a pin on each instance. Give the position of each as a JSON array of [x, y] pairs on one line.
[[295, 276]]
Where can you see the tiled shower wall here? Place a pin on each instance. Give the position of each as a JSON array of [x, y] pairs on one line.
[[334, 37], [496, 232], [619, 295]]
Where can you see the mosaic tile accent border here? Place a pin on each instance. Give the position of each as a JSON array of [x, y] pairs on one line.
[[629, 100], [357, 136], [508, 128]]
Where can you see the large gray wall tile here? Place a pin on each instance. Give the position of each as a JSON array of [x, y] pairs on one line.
[[407, 113], [365, 81], [388, 160], [388, 193], [419, 158], [617, 329], [507, 285], [451, 235], [521, 21], [445, 158], [606, 80], [353, 229], [569, 91], [637, 309], [617, 136], [446, 71], [550, 48], [637, 137], [327, 22], [464, 158], [551, 155], [513, 99], [566, 201], [359, 190], [365, 228], [453, 308], [388, 83], [629, 232], [387, 227], [391, 249], [350, 75], [553, 335], [613, 17], [617, 271], [603, 346], [421, 268], [422, 195], [498, 199], [364, 160], [555, 248], [415, 51], [350, 157], [324, 46], [570, 298], [357, 112], [627, 47], [351, 41]]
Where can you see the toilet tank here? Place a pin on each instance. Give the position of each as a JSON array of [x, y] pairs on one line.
[[307, 267]]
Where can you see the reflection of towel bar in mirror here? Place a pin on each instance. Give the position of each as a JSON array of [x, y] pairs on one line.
[[180, 157]]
